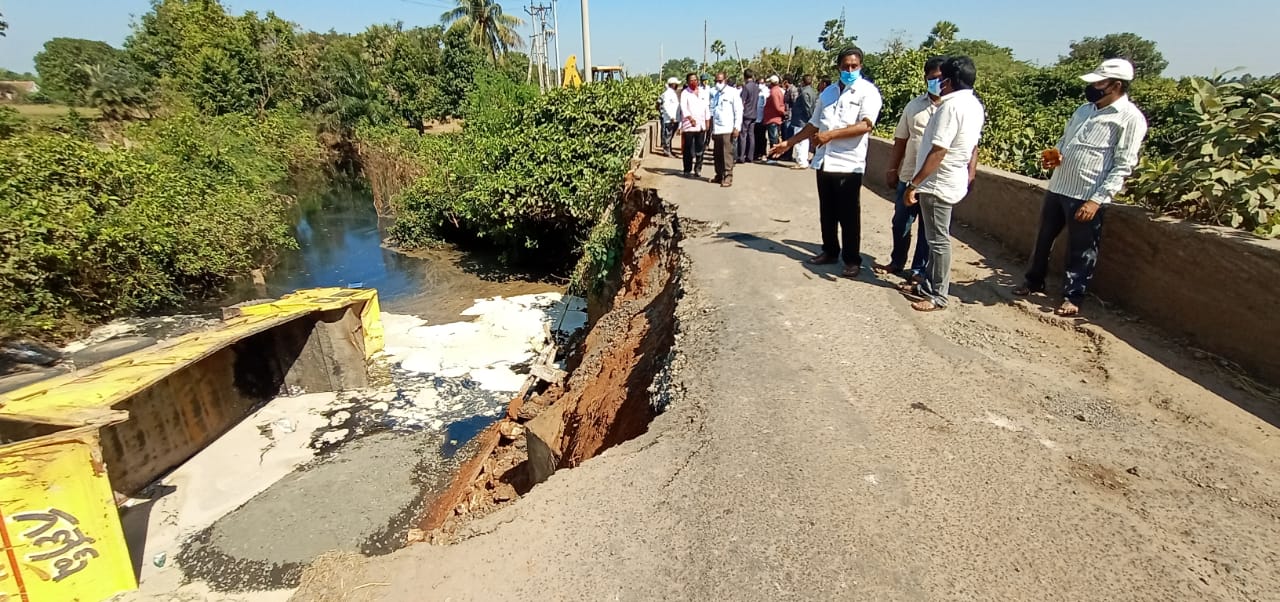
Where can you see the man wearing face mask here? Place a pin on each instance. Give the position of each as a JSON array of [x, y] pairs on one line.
[[696, 112], [945, 167], [726, 120], [844, 116], [906, 145], [1098, 150]]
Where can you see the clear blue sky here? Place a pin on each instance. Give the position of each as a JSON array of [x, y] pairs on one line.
[[1196, 37]]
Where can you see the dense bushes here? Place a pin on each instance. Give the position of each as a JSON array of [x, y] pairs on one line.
[[528, 173], [90, 230], [1225, 167]]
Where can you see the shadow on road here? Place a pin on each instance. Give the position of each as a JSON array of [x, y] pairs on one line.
[[800, 251]]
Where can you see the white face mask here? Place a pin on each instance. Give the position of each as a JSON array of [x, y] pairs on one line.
[[720, 85]]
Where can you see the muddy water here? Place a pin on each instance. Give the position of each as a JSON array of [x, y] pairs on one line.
[[341, 243]]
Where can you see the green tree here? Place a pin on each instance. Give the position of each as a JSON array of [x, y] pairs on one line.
[[487, 25], [61, 66], [115, 92], [223, 63], [459, 64], [678, 68], [993, 62], [718, 49], [1147, 60], [4, 25], [942, 35], [833, 38]]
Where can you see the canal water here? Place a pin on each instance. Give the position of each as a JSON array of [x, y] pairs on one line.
[[460, 334]]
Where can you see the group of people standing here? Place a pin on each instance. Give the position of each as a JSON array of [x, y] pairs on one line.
[[932, 167], [740, 123]]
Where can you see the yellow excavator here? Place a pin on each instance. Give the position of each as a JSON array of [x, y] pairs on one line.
[[572, 79]]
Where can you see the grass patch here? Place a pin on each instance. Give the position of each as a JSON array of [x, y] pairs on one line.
[[51, 112]]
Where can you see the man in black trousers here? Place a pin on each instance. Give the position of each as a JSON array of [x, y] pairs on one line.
[[750, 115], [842, 121]]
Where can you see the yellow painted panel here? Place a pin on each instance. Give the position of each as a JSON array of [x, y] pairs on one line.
[[59, 527], [83, 397]]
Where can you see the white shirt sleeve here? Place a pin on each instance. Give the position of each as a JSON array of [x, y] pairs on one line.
[[737, 112], [946, 129], [871, 104]]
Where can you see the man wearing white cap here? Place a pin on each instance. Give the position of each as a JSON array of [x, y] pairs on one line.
[[1098, 150], [669, 106]]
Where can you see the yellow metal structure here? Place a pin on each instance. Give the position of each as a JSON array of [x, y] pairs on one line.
[[77, 399], [572, 79], [58, 523], [59, 527]]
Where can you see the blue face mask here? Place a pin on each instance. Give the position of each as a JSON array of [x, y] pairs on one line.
[[848, 77], [935, 86]]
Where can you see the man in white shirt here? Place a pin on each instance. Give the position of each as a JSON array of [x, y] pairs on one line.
[[695, 119], [669, 107], [945, 169], [1098, 150], [844, 117], [726, 121], [902, 166]]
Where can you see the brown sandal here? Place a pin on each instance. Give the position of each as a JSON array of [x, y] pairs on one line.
[[927, 306], [1067, 310]]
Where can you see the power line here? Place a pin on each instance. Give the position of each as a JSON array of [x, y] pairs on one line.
[[539, 42]]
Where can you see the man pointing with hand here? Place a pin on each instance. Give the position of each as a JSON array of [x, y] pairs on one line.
[[845, 114]]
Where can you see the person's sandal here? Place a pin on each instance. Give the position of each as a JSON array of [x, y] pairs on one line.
[[927, 306], [1026, 290], [1067, 310], [911, 291]]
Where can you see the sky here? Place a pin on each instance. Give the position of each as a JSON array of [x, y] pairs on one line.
[[1196, 37]]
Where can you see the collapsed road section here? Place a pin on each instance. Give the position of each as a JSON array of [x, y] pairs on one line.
[[560, 421]]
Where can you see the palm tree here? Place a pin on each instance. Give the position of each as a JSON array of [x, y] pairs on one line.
[[942, 35], [487, 25], [718, 49]]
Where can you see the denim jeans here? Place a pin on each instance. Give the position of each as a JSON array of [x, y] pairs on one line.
[[935, 214], [773, 129], [1084, 240], [903, 218]]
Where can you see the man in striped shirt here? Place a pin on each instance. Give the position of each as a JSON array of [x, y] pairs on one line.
[[1098, 150]]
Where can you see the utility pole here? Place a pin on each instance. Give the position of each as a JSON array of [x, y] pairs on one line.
[[539, 57], [586, 44], [704, 46], [555, 22]]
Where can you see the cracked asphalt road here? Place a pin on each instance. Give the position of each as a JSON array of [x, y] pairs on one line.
[[833, 444]]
